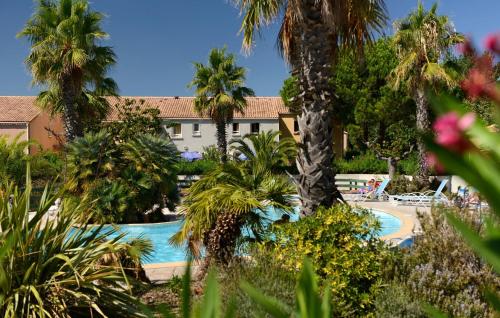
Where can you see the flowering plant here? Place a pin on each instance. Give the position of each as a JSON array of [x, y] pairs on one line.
[[465, 146]]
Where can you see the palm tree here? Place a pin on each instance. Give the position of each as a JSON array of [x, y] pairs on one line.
[[229, 198], [220, 92], [265, 150], [66, 58], [311, 34], [422, 39]]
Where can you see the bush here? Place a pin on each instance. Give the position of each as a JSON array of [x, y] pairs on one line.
[[443, 271], [198, 167], [124, 179], [49, 269], [402, 184], [264, 271], [366, 163], [343, 246]]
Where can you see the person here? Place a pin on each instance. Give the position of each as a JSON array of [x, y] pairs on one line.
[[370, 187]]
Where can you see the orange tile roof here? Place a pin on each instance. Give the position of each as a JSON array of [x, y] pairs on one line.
[[18, 109], [23, 108], [183, 107]]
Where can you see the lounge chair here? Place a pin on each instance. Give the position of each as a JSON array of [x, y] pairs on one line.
[[421, 198], [377, 194]]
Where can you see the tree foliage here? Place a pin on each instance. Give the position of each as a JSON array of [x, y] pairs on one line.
[[124, 178], [220, 92], [134, 116], [66, 58]]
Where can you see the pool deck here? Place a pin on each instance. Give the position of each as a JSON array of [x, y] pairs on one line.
[[162, 272]]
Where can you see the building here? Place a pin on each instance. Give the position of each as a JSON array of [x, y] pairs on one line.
[[191, 132], [20, 116], [188, 130]]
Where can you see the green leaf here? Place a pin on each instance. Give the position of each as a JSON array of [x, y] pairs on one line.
[[186, 291], [271, 305], [211, 301]]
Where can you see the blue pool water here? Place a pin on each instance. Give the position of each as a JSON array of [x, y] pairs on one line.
[[160, 233]]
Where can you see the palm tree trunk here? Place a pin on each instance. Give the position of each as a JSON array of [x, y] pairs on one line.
[[423, 126], [221, 240], [72, 126], [316, 181], [222, 139]]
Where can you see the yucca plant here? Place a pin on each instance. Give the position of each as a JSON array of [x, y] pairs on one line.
[[53, 266]]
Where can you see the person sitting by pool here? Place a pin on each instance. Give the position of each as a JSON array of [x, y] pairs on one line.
[[371, 187]]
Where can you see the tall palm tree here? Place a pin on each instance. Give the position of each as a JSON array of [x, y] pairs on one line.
[[229, 198], [312, 32], [266, 150], [422, 39], [220, 92], [66, 58]]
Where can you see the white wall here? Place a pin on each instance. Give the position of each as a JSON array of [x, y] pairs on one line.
[[208, 132]]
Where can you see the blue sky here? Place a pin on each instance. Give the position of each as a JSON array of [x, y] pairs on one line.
[[156, 41]]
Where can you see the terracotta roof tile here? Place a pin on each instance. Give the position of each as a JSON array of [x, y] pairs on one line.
[[18, 109], [23, 108], [183, 107]]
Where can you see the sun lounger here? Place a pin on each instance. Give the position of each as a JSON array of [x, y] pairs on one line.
[[422, 198], [377, 194]]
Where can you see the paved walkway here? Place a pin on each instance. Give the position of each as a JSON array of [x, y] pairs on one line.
[[162, 272]]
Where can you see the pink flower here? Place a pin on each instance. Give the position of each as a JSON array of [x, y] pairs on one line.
[[433, 162], [476, 84], [450, 130], [492, 43]]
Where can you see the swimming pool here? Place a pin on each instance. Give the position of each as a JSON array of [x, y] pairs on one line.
[[160, 233]]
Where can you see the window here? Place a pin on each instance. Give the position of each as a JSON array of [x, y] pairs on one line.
[[254, 128], [196, 129], [236, 129], [177, 131], [296, 127]]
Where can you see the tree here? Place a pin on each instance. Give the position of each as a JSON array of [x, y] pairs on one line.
[[229, 198], [422, 39], [125, 178], [378, 118], [66, 58], [310, 36], [265, 150], [220, 92], [289, 93], [134, 116]]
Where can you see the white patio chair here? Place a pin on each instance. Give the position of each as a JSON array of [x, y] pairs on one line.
[[421, 198]]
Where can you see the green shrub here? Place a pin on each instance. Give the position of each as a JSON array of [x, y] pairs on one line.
[[198, 167], [409, 166], [211, 153], [124, 179], [443, 271], [365, 163], [343, 246], [264, 271], [368, 163], [48, 269]]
